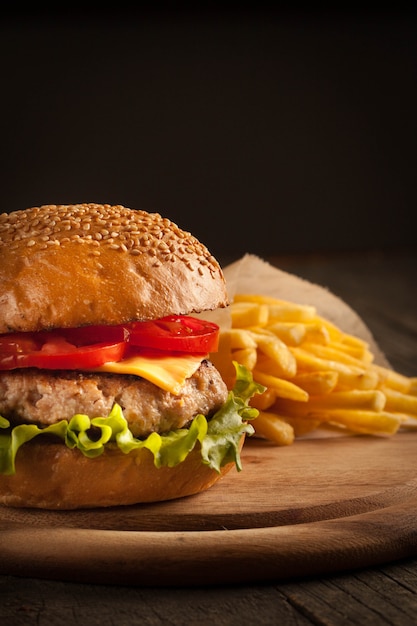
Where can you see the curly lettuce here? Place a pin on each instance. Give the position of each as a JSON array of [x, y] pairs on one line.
[[218, 437]]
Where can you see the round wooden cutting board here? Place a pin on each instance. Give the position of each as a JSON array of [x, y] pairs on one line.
[[318, 506]]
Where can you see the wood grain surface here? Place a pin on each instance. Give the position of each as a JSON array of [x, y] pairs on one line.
[[381, 288], [321, 505]]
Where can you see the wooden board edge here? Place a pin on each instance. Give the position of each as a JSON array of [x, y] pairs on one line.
[[211, 557]]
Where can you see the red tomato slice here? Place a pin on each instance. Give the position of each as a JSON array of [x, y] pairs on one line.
[[47, 351], [15, 343], [91, 346], [88, 335], [175, 333]]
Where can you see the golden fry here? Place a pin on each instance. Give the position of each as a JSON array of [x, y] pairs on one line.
[[264, 401], [316, 383], [371, 400], [413, 387], [333, 331], [409, 422], [314, 373], [360, 353], [400, 402], [291, 333], [240, 338], [255, 298], [271, 427], [374, 401], [283, 362], [295, 333], [246, 314], [353, 341], [223, 360], [246, 357], [349, 376], [302, 425], [332, 353], [291, 313], [365, 422], [317, 333], [393, 380], [279, 310], [283, 388]]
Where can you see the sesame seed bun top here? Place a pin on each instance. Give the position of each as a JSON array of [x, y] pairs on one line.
[[72, 265]]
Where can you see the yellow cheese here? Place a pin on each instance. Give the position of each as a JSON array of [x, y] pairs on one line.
[[167, 372]]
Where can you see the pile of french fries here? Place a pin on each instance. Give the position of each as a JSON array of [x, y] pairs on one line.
[[315, 374]]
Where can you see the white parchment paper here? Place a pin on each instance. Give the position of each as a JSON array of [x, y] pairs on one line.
[[251, 274]]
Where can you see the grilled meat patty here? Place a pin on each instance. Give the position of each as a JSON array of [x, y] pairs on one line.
[[44, 397]]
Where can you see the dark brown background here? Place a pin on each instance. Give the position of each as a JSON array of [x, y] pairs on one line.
[[260, 131]]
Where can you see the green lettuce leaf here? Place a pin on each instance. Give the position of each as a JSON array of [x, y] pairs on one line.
[[218, 437]]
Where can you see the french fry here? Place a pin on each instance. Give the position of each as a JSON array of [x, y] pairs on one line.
[[317, 383], [279, 310], [270, 426], [412, 390], [295, 333], [349, 376], [302, 425], [246, 357], [332, 353], [287, 312], [291, 333], [409, 422], [317, 333], [314, 373], [351, 340], [246, 314], [335, 333], [360, 353], [393, 380], [283, 388], [277, 352], [264, 401], [365, 422], [371, 400], [400, 402], [240, 338], [222, 360], [346, 400]]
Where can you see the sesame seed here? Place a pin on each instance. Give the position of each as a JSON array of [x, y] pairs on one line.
[[105, 226]]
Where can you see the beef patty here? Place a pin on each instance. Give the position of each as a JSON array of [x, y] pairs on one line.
[[44, 397]]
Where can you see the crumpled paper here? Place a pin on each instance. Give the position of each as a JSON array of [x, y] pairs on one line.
[[251, 274]]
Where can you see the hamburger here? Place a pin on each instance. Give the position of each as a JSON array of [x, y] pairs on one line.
[[107, 395]]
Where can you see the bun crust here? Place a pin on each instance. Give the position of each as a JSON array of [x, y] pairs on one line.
[[72, 265], [51, 476]]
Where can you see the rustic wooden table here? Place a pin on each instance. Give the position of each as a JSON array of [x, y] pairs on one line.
[[382, 289]]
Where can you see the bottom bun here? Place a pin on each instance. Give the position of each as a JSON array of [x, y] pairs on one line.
[[51, 476]]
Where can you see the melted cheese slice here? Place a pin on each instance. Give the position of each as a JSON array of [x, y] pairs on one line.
[[167, 372]]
